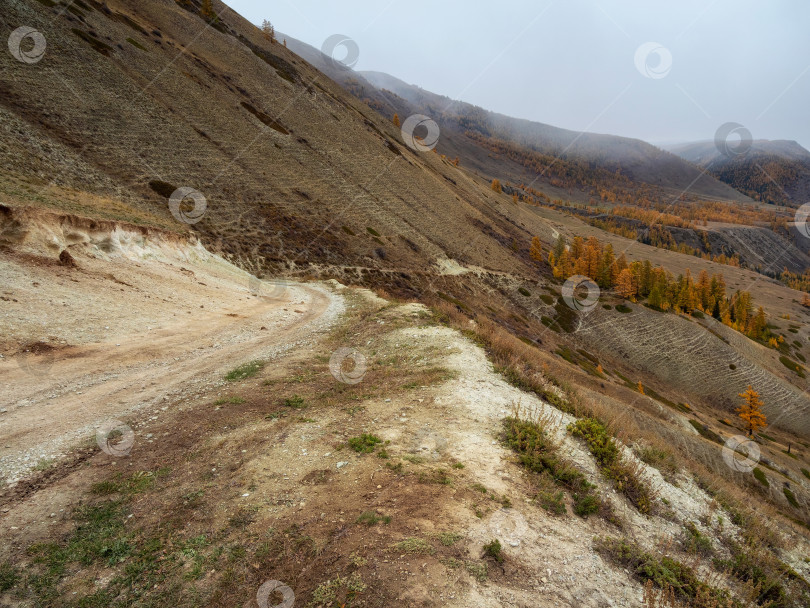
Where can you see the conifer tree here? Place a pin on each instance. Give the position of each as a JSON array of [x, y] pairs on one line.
[[624, 285], [536, 250], [268, 31], [207, 10], [751, 411]]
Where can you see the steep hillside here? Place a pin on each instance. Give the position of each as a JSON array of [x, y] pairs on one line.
[[294, 171], [776, 172], [296, 175]]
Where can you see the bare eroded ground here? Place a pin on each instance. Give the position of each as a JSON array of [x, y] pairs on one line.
[[94, 342]]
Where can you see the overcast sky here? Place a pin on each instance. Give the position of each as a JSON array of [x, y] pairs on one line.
[[572, 63]]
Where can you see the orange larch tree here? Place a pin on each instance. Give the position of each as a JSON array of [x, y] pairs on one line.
[[751, 411], [624, 285], [536, 250], [207, 10]]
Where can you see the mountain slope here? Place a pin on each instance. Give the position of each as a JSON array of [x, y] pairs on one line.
[[639, 160], [773, 171], [642, 163], [290, 166]]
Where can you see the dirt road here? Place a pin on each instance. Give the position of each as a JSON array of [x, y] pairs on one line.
[[175, 331]]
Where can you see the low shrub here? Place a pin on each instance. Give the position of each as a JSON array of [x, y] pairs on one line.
[[791, 498], [663, 571], [761, 477], [365, 443], [552, 502], [706, 432], [626, 476], [540, 455], [494, 550], [695, 541]]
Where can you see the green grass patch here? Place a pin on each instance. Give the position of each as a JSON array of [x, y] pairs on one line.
[[761, 477], [453, 300], [792, 366], [365, 443], [295, 402], [566, 317], [244, 371], [551, 501], [625, 477], [9, 576], [664, 571], [102, 47], [136, 44], [752, 564], [370, 518], [791, 497], [448, 539], [623, 309], [229, 400], [540, 455], [706, 432]]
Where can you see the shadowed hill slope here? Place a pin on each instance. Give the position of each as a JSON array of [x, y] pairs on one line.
[[775, 172]]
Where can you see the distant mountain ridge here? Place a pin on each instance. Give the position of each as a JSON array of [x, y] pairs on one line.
[[560, 162], [638, 159], [773, 171]]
